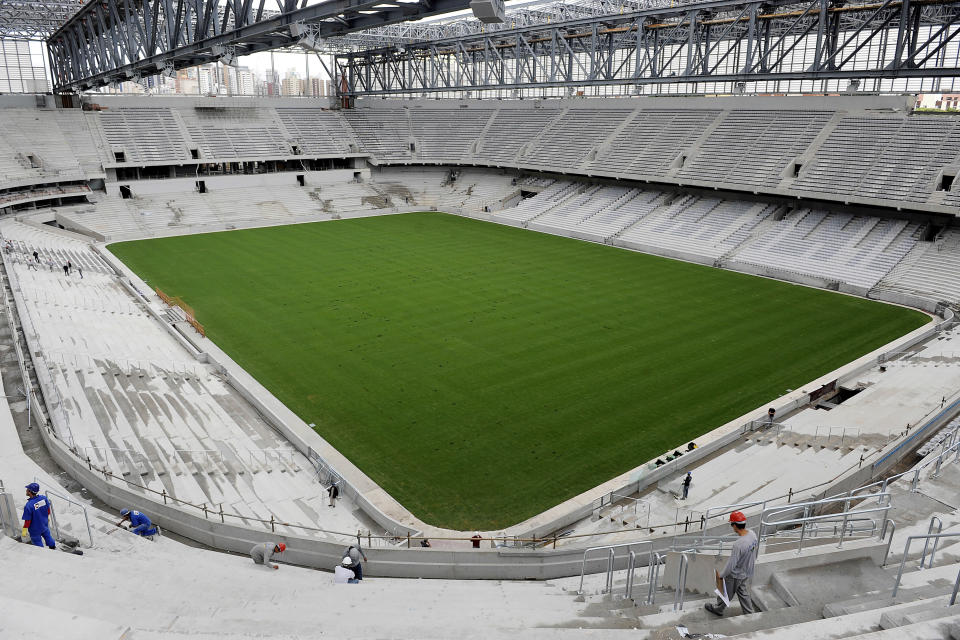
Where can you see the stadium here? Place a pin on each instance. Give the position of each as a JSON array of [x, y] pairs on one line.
[[529, 303]]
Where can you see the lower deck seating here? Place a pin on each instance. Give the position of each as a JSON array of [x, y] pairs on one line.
[[930, 269], [858, 250], [134, 401]]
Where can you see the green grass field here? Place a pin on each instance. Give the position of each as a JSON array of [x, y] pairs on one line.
[[482, 373]]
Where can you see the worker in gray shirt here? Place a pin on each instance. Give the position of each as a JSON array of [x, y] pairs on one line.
[[263, 553], [355, 553], [735, 576]]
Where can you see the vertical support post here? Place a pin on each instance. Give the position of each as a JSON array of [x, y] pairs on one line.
[[956, 588], [681, 583], [846, 516], [893, 528], [53, 516], [608, 587], [652, 595], [803, 528], [926, 542]]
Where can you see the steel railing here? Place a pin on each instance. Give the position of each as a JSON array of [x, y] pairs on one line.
[[906, 552], [611, 558], [769, 517], [842, 431], [681, 582], [934, 521], [956, 587], [702, 543], [883, 531], [86, 516]]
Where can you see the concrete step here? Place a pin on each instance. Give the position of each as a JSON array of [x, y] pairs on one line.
[[937, 575], [734, 625], [955, 631], [817, 586], [881, 599], [55, 623], [918, 613], [766, 598], [836, 627], [401, 632], [929, 630]]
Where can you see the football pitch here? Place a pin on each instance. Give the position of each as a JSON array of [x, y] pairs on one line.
[[482, 373]]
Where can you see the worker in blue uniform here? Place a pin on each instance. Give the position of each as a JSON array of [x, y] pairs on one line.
[[139, 523], [36, 515]]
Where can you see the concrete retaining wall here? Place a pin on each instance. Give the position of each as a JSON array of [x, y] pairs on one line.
[[701, 567]]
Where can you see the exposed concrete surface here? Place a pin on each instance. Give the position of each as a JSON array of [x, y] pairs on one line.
[[817, 586]]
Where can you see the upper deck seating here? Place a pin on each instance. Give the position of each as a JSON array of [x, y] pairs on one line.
[[145, 134]]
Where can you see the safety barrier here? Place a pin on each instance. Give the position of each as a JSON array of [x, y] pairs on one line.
[[611, 558], [86, 516], [906, 552], [893, 528], [187, 310], [768, 519]]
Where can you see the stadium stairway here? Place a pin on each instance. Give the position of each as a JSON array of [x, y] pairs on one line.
[[846, 598]]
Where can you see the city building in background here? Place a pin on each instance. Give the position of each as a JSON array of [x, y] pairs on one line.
[[942, 101]]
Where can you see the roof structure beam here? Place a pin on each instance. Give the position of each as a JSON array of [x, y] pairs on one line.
[[717, 41], [171, 34]]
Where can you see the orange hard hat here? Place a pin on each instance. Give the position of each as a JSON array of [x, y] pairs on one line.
[[282, 547], [737, 516]]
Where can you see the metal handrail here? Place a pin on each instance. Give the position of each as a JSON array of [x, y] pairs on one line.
[[83, 508], [942, 411], [893, 528], [906, 552], [631, 563], [939, 523], [701, 543], [956, 587], [611, 548], [681, 582], [923, 464], [807, 519], [653, 576], [723, 508], [852, 528]]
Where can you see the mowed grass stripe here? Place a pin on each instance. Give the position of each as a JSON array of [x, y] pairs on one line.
[[481, 373]]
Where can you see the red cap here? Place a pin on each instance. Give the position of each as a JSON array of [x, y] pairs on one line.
[[737, 516], [282, 547]]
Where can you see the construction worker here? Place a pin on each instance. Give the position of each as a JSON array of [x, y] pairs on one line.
[[344, 572], [139, 523], [263, 553], [355, 553], [735, 576], [36, 514]]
